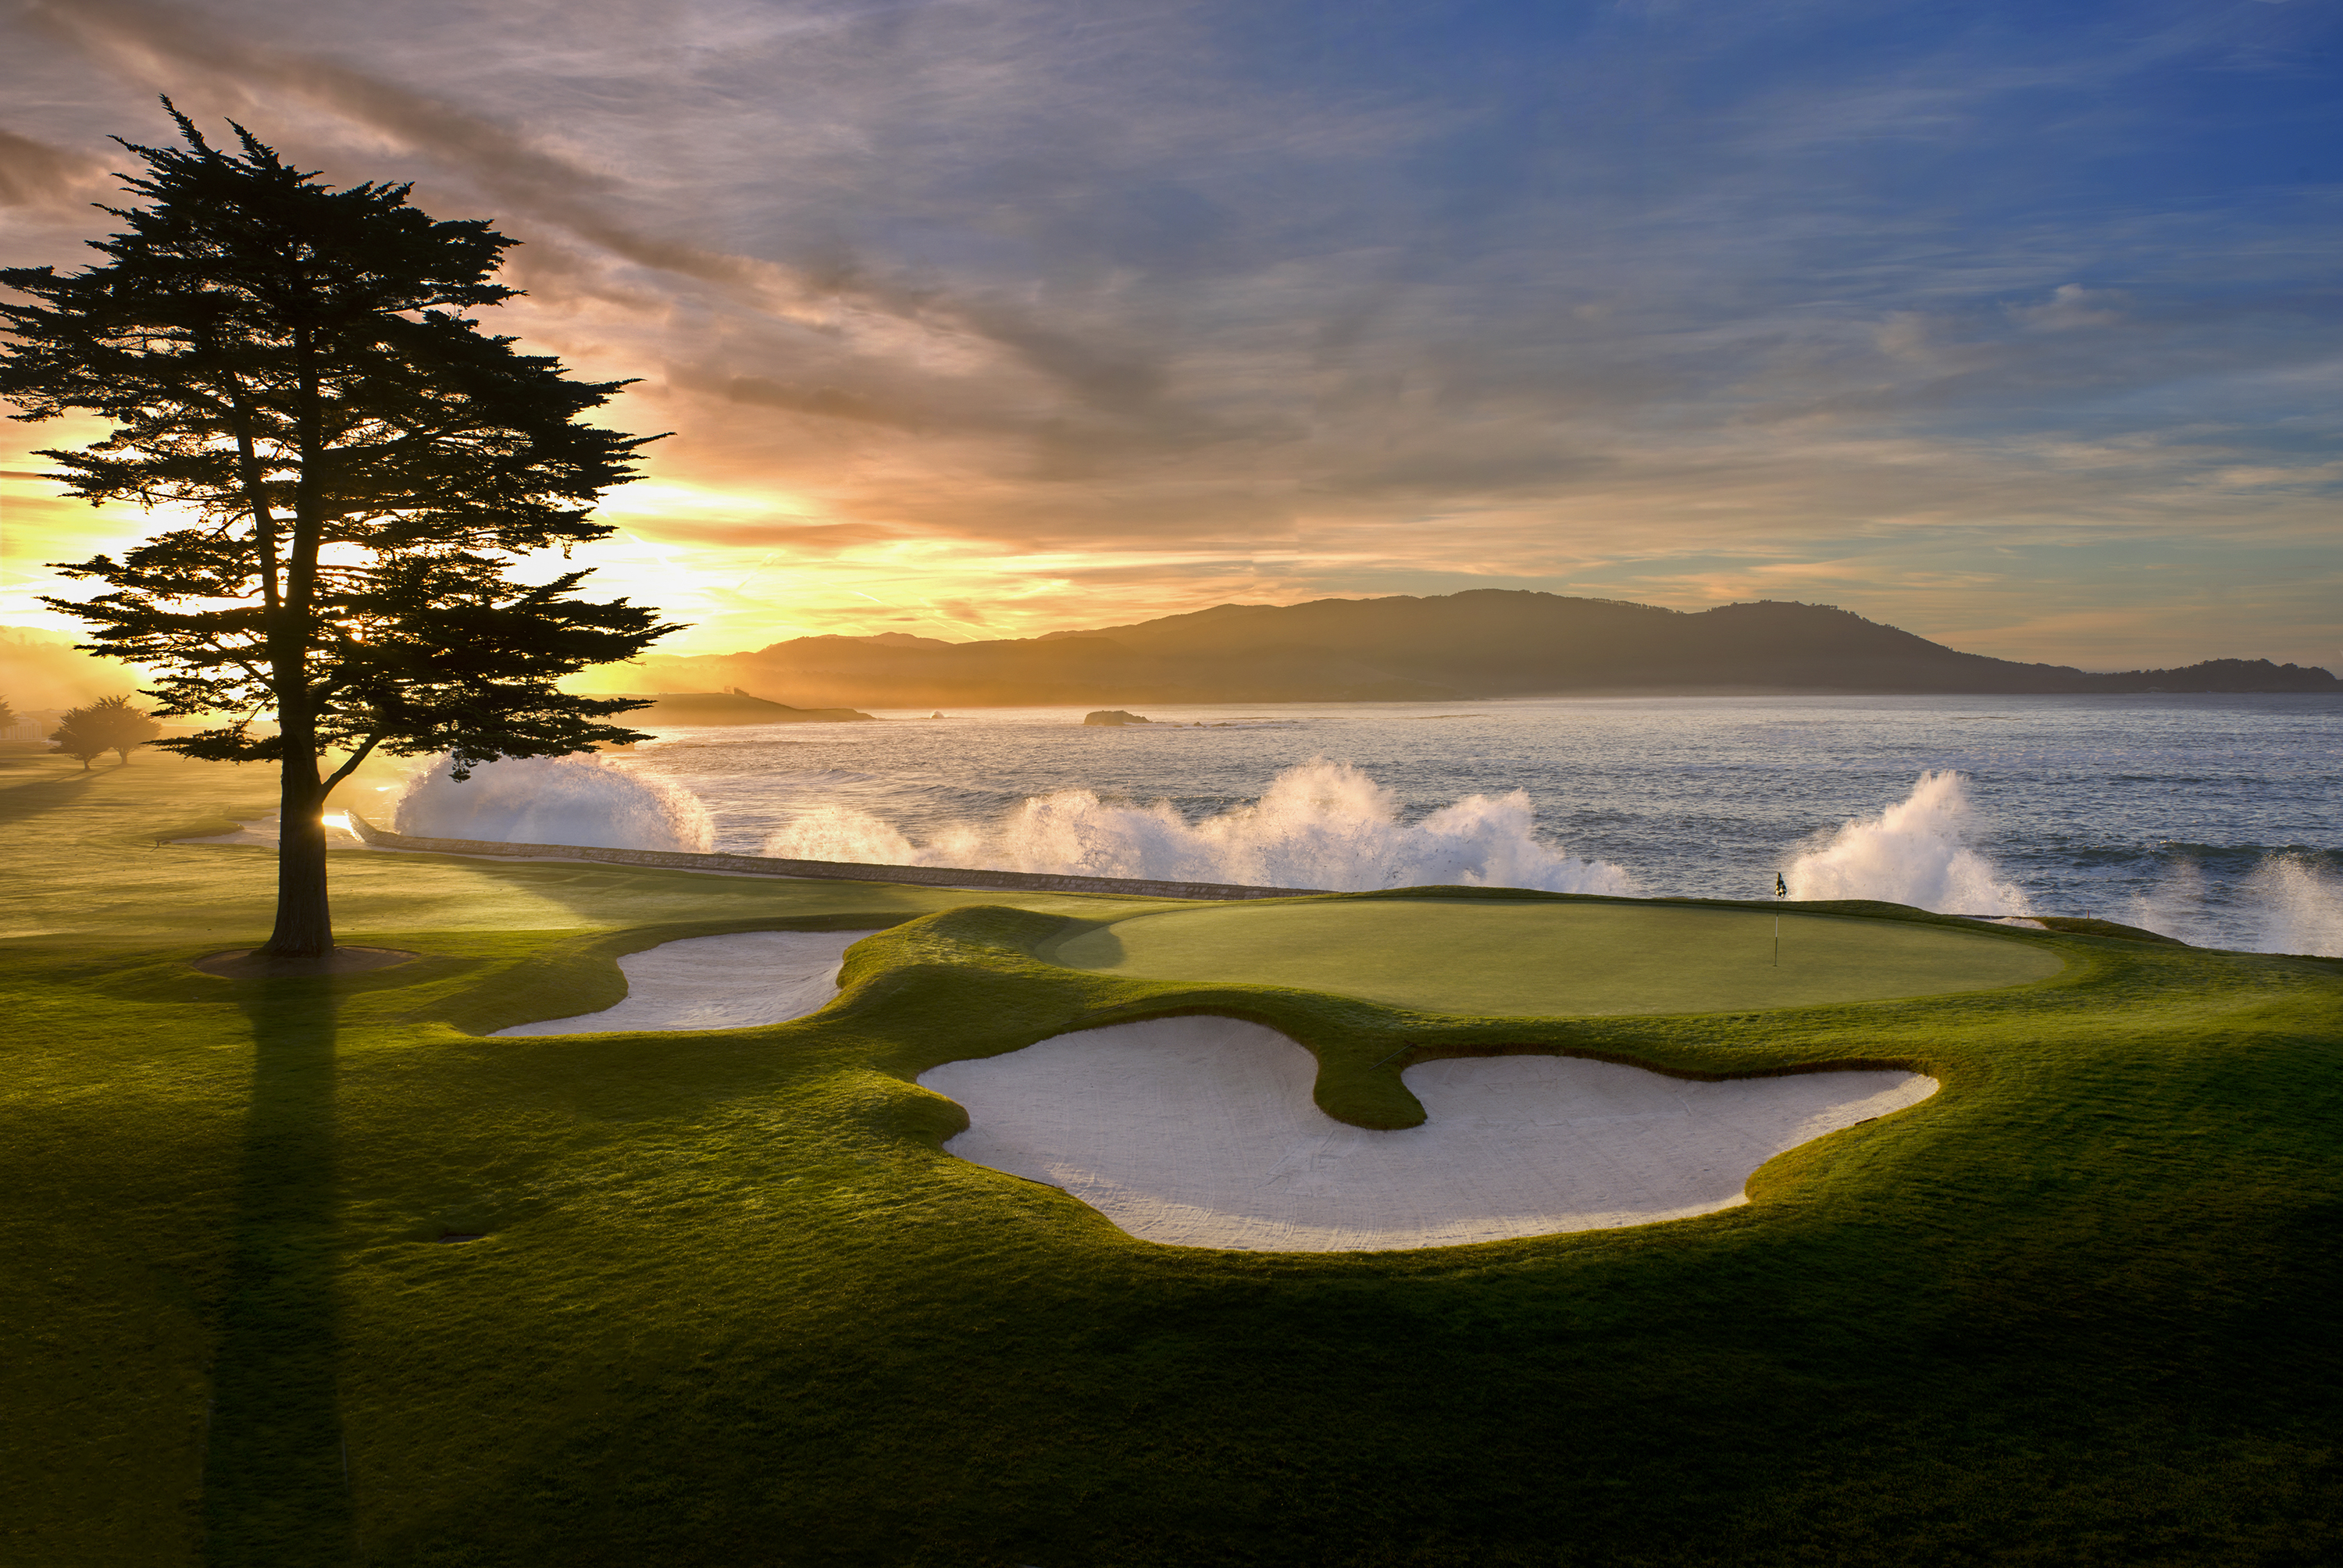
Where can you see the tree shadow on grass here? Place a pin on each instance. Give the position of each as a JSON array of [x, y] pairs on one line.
[[37, 795], [275, 1469]]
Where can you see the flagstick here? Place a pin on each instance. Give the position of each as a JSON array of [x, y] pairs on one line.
[[1781, 891]]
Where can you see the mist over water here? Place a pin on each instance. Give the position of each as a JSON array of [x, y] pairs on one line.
[[2208, 818]]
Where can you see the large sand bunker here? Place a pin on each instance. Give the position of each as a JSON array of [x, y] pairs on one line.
[[1201, 1132], [738, 981], [1549, 957]]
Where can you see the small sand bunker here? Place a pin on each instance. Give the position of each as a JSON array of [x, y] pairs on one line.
[[1201, 1132], [718, 983]]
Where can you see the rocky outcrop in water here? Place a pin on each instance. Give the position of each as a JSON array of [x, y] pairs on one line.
[[735, 706]]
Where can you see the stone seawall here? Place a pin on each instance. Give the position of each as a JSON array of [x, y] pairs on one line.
[[829, 870]]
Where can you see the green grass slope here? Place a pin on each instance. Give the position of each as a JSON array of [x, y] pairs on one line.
[[1515, 955], [733, 1305]]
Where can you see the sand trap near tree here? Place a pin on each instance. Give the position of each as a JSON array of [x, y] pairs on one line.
[[1536, 958], [1201, 1132], [738, 981]]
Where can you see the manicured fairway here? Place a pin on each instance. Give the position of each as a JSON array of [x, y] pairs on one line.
[[1555, 959]]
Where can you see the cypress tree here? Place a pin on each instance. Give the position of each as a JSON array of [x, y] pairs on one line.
[[296, 367]]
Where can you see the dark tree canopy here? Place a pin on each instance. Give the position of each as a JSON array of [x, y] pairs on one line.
[[296, 366], [114, 723], [76, 737]]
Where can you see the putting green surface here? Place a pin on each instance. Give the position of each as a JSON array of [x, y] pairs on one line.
[[1555, 959]]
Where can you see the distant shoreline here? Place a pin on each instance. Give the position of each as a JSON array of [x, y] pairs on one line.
[[1474, 645], [897, 712]]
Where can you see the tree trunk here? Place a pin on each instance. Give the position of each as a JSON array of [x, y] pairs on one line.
[[305, 924]]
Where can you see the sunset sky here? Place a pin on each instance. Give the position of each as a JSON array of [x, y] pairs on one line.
[[2019, 327]]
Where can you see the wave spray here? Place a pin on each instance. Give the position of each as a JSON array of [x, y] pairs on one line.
[[1319, 825], [2289, 903], [583, 800], [1914, 852], [2302, 907]]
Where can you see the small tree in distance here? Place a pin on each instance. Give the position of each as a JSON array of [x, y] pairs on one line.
[[293, 363], [121, 722], [82, 736]]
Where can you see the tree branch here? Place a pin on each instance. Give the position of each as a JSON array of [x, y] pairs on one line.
[[350, 766]]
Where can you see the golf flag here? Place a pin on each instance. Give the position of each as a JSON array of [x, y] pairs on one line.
[[1781, 890]]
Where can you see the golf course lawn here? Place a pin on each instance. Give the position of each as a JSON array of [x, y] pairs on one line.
[[1552, 957], [730, 1302]]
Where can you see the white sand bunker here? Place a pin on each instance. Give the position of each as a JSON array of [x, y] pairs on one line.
[[718, 983], [1201, 1132]]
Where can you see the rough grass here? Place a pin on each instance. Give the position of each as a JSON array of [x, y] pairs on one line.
[[734, 1305]]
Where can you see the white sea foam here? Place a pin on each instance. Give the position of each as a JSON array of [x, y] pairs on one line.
[[584, 800], [1914, 852], [1320, 825]]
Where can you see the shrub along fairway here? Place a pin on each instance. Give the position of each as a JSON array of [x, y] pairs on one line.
[[731, 1304]]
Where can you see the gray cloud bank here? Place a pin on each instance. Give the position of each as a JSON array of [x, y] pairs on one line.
[[1205, 301]]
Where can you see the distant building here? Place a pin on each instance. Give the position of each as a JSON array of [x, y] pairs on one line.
[[32, 726]]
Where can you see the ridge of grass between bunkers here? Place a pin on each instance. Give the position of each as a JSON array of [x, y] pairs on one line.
[[730, 1302]]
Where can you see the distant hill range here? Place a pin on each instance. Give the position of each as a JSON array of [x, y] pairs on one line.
[[1487, 642], [684, 708]]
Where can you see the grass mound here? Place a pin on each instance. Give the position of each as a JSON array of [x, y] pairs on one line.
[[2082, 925], [729, 1303]]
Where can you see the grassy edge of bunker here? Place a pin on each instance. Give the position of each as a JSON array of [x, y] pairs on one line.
[[1363, 1046]]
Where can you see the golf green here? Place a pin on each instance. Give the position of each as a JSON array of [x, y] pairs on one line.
[[1557, 958]]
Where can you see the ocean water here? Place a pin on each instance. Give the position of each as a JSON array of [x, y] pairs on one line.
[[2210, 818]]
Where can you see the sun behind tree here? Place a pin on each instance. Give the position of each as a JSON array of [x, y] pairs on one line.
[[293, 363]]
